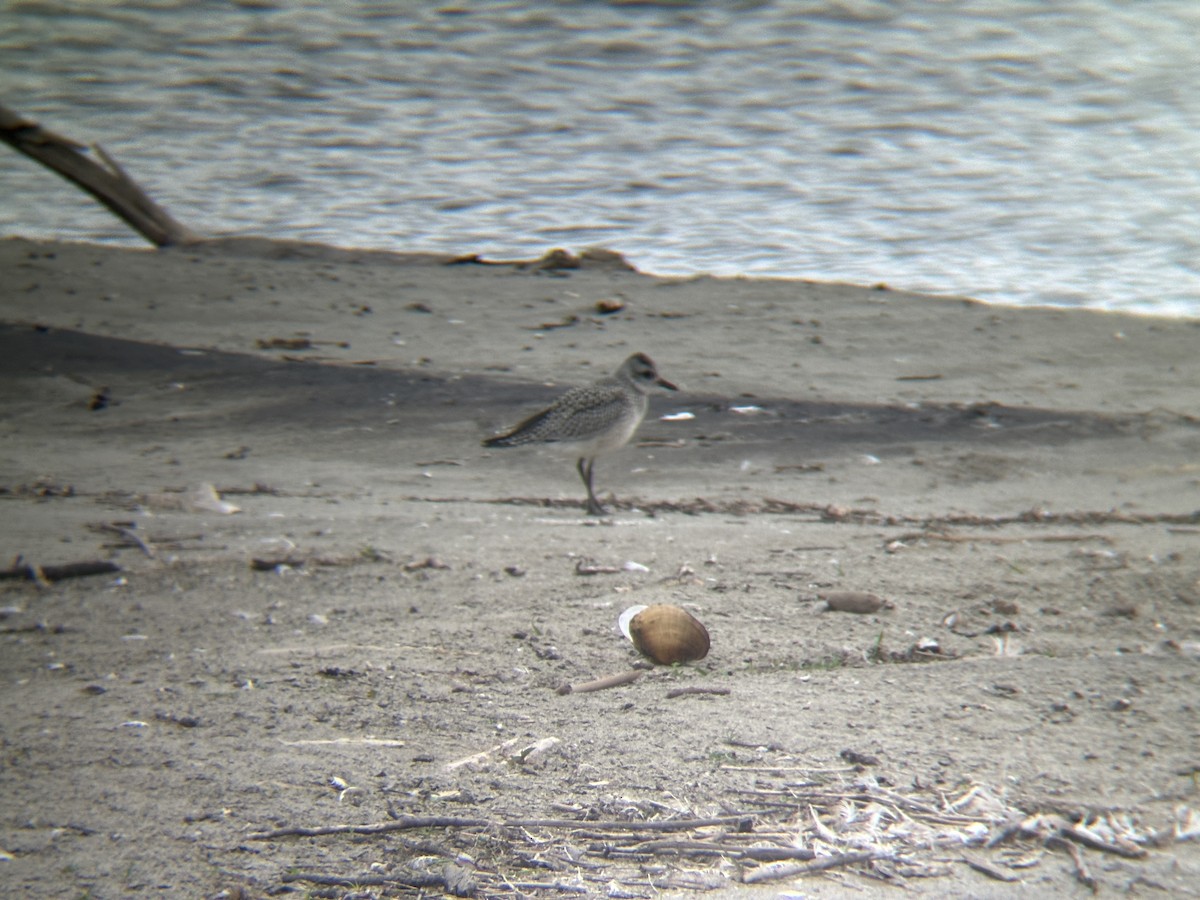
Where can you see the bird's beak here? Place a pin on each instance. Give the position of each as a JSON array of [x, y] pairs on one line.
[[662, 382]]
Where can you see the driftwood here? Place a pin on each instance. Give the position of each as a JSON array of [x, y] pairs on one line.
[[103, 179]]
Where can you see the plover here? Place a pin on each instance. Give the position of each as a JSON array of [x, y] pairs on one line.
[[593, 419]]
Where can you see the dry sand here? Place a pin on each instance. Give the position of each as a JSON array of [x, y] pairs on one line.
[[1021, 485]]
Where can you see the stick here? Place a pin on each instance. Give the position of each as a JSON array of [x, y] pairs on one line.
[[455, 881], [1082, 875], [760, 854], [774, 871], [990, 871], [476, 760], [406, 822], [1129, 851], [58, 573], [270, 565], [104, 180], [601, 683], [588, 568], [548, 886], [402, 824], [742, 820], [129, 534], [952, 538], [414, 881]]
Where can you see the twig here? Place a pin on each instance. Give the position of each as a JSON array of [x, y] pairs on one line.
[[990, 871], [402, 824], [742, 821], [566, 322], [775, 871], [46, 574], [477, 760], [590, 568], [364, 880], [129, 534], [262, 564], [1082, 875], [952, 538], [1085, 837], [760, 854], [548, 886], [35, 628], [453, 880], [601, 684]]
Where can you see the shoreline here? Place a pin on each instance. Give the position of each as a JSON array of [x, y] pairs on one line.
[[277, 248]]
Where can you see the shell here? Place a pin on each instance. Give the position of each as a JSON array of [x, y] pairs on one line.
[[665, 634]]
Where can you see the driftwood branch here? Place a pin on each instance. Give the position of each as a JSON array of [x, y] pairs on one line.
[[104, 179]]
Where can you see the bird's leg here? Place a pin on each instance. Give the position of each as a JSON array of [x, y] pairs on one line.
[[585, 466]]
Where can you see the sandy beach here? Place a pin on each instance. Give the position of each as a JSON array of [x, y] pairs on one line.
[[330, 654]]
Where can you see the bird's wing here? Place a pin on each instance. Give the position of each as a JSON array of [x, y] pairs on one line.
[[579, 412]]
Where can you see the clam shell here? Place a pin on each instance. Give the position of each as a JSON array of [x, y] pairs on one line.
[[665, 634]]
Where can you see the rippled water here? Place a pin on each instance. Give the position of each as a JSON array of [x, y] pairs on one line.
[[1020, 152]]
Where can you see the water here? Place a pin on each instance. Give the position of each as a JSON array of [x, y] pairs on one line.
[[1018, 152]]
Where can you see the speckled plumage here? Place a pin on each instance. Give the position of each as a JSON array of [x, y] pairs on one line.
[[592, 419]]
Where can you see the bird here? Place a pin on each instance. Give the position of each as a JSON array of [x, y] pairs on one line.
[[592, 419]]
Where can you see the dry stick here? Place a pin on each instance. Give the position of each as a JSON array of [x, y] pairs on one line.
[[548, 886], [999, 538], [656, 825], [270, 565], [414, 881], [1129, 851], [408, 822], [35, 628], [601, 683], [990, 871], [129, 534], [106, 181], [378, 828], [761, 854], [1082, 875], [773, 871]]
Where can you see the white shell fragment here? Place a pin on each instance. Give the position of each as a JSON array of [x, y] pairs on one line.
[[626, 618], [677, 417], [206, 499]]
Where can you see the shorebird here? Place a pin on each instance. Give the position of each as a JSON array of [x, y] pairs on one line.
[[592, 419]]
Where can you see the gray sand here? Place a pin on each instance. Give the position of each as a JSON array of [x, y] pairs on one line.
[[1020, 485]]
